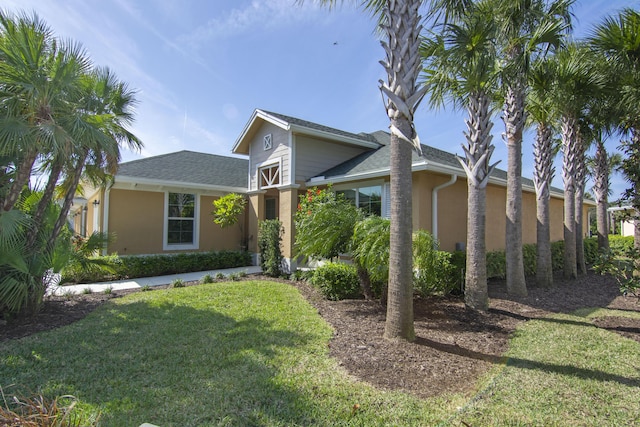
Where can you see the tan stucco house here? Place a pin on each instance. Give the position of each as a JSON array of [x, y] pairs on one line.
[[286, 156], [163, 204]]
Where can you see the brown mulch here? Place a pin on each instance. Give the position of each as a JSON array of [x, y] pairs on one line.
[[454, 346]]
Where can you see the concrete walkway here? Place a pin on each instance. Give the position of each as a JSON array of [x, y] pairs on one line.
[[145, 281]]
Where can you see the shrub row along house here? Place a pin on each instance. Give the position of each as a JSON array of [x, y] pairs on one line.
[[163, 204]]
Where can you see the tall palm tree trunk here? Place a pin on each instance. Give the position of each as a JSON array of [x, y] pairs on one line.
[[579, 216], [601, 192], [403, 63], [399, 321], [476, 165], [21, 178], [514, 120], [68, 199], [543, 174], [570, 155]]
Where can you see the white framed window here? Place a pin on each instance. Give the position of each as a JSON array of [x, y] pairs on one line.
[[270, 176], [181, 221], [267, 142], [369, 199]]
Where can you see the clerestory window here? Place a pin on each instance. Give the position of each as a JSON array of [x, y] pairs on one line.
[[270, 176]]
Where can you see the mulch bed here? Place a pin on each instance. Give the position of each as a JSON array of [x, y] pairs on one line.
[[453, 347]]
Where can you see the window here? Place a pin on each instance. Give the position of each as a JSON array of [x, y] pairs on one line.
[[269, 176], [270, 208], [266, 142], [369, 199], [181, 220]]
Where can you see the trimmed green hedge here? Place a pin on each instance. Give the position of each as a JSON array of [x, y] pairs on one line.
[[337, 281], [133, 266], [497, 264]]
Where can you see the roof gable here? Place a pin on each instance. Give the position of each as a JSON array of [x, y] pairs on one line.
[[296, 125], [188, 167]]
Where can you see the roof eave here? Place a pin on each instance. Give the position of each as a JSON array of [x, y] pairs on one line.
[[247, 128], [124, 179], [333, 136]]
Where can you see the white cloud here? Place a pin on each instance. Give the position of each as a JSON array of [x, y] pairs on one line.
[[257, 15]]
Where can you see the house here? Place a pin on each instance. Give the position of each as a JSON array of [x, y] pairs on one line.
[[627, 222], [288, 155], [284, 157], [163, 204]]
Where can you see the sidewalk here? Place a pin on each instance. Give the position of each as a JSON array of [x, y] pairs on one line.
[[145, 281]]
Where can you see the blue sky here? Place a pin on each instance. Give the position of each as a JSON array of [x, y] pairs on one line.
[[202, 66]]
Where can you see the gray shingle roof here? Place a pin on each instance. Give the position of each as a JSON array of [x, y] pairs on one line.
[[375, 160], [189, 167], [310, 125]]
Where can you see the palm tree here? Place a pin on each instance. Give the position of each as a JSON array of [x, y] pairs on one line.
[[527, 28], [574, 84], [106, 113], [461, 68], [38, 75], [617, 39], [399, 21], [540, 112]]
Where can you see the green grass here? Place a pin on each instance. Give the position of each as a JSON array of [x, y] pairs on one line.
[[255, 353], [230, 354], [563, 371]]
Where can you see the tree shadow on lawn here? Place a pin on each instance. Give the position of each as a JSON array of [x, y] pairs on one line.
[[165, 364], [568, 370]]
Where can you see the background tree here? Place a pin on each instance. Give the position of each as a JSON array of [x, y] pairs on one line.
[[461, 69], [617, 39], [541, 114], [574, 83], [526, 28]]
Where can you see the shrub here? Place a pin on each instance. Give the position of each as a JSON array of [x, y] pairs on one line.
[[227, 209], [337, 281], [269, 237], [371, 240], [235, 276], [557, 255], [620, 245], [108, 290], [159, 265], [433, 271], [207, 278], [591, 250], [529, 259], [177, 283], [324, 224], [219, 276], [496, 264], [298, 275]]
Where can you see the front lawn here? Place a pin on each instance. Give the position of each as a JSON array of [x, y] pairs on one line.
[[256, 353]]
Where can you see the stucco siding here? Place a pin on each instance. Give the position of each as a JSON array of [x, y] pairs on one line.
[[279, 152], [212, 236], [452, 215], [314, 156], [137, 219]]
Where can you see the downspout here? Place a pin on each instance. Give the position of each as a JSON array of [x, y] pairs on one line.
[[434, 205], [105, 215]]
